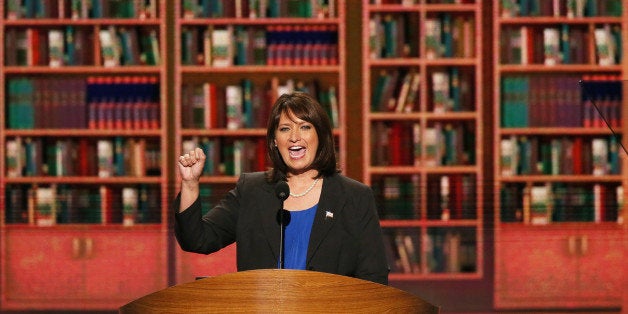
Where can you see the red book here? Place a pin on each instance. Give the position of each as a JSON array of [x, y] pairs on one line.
[[456, 196], [261, 154], [394, 140], [83, 157], [105, 205], [577, 155]]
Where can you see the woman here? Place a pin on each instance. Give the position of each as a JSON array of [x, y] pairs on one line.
[[333, 223]]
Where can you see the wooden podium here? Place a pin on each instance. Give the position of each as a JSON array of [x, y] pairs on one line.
[[279, 291]]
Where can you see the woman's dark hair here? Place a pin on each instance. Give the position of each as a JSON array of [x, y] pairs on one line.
[[306, 108]]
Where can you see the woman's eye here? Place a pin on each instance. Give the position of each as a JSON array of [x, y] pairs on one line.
[[283, 129], [306, 127]]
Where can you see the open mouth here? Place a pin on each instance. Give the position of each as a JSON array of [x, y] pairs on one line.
[[296, 151]]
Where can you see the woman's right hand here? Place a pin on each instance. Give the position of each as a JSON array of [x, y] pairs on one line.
[[191, 165]]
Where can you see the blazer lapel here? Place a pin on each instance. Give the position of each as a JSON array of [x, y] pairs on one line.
[[269, 207], [328, 211]]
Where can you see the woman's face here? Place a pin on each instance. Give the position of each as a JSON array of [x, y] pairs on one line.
[[297, 142]]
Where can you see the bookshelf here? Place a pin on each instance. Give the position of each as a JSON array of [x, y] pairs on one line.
[[560, 174], [83, 196], [423, 134], [234, 60]]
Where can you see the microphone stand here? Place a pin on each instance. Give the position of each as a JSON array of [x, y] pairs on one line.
[[282, 191], [282, 232]]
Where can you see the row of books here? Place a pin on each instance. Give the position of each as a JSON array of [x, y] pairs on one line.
[[413, 2], [252, 45], [129, 46], [68, 204], [410, 144], [559, 202], [103, 102], [82, 157], [246, 105], [445, 251], [561, 44], [446, 36], [397, 90], [80, 9], [230, 157], [556, 8], [449, 197], [530, 155], [258, 8], [70, 45], [560, 101]]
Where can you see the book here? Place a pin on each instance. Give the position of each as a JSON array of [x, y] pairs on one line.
[[14, 157], [130, 203], [222, 47], [234, 103], [45, 206], [605, 46], [55, 48], [540, 204], [109, 50], [551, 44], [508, 153], [599, 152], [105, 158], [433, 31], [441, 92]]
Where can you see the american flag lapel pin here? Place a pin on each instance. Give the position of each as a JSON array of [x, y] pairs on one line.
[[329, 215]]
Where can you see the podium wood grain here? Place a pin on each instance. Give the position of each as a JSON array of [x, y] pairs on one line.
[[284, 291]]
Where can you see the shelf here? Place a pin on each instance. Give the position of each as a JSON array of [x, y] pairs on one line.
[[404, 152]]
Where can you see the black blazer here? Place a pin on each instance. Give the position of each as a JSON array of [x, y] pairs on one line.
[[346, 237]]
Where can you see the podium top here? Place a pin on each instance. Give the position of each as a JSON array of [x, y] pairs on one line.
[[279, 290]]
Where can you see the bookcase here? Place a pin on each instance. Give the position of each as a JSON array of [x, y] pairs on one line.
[[233, 59], [559, 167], [83, 136], [423, 134]]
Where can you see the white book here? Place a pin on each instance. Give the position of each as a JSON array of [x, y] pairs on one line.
[[14, 157], [432, 139], [375, 36], [605, 46], [222, 47], [55, 47], [129, 205], [599, 150], [508, 152], [441, 94], [105, 158], [234, 102], [551, 43], [540, 205], [45, 205], [433, 45], [109, 52]]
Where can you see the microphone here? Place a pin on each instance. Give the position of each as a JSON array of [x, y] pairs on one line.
[[282, 191]]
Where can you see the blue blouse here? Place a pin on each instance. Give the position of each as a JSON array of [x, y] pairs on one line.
[[297, 237]]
